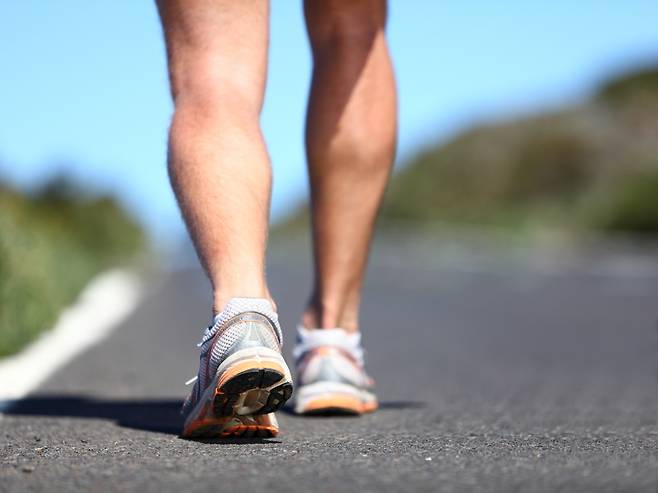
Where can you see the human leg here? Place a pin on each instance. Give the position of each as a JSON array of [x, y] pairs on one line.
[[350, 140]]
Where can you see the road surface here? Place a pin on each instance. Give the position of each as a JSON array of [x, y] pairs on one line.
[[492, 375]]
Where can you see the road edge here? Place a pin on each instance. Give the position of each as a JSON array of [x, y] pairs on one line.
[[79, 326]]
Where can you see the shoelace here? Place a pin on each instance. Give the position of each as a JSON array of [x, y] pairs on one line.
[[209, 332]]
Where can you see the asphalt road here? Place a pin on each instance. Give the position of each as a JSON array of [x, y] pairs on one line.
[[492, 375]]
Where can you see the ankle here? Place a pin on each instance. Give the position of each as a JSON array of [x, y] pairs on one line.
[[328, 315], [222, 297]]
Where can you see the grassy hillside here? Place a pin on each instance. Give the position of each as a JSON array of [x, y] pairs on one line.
[[589, 167], [52, 243]]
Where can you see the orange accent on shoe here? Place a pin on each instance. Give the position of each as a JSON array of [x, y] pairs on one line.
[[238, 368], [369, 407], [251, 364], [221, 428], [338, 402], [250, 430], [208, 425], [205, 427]]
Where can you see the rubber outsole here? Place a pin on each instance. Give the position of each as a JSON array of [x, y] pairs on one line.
[[334, 405], [242, 402], [330, 411], [230, 392], [264, 426]]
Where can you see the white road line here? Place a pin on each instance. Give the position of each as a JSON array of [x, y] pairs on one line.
[[106, 301]]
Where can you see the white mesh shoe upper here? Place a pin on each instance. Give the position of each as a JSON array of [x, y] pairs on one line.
[[237, 306], [308, 339], [339, 359], [218, 340]]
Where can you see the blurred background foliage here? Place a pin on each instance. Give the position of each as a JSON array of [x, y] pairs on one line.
[[590, 167], [52, 242]]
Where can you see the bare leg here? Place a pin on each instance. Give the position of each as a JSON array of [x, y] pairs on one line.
[[218, 163], [350, 140]]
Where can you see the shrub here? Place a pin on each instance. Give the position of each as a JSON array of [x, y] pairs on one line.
[[51, 244]]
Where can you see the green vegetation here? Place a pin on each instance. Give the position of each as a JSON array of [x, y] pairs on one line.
[[593, 167], [52, 243]]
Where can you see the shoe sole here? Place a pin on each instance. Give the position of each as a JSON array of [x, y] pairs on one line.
[[250, 383], [260, 426], [332, 398]]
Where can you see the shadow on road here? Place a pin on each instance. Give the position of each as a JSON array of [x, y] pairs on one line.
[[158, 415], [385, 405], [150, 415]]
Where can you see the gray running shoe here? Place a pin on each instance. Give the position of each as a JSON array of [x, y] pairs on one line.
[[242, 376], [331, 377]]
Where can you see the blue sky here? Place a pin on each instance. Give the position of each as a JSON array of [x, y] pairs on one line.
[[83, 84]]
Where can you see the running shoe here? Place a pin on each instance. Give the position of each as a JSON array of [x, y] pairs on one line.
[[242, 376], [331, 378]]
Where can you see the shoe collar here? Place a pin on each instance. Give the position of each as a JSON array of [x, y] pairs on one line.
[[308, 339]]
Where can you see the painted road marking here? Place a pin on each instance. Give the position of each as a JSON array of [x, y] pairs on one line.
[[106, 302]]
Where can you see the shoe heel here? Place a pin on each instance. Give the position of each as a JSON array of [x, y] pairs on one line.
[[255, 383], [255, 391]]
